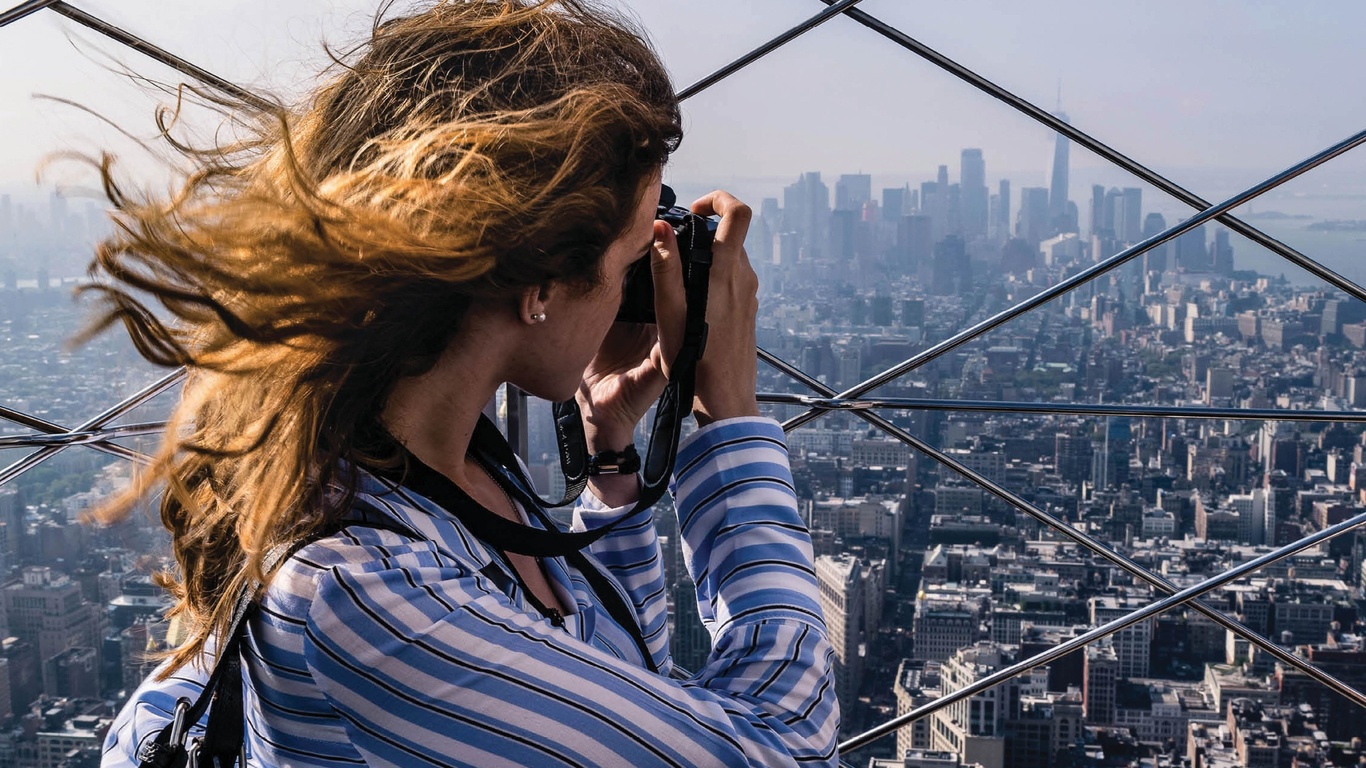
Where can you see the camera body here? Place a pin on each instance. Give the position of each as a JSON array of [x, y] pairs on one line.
[[695, 234]]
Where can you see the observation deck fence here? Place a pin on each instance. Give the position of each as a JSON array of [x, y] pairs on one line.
[[99, 432]]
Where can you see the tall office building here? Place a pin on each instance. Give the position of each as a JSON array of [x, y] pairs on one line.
[[973, 183], [1057, 188], [1112, 213], [977, 728], [1001, 218], [1100, 675], [852, 190], [914, 242], [842, 596], [1156, 259], [11, 528], [1251, 509], [894, 203], [936, 203], [841, 245], [1032, 224], [806, 209], [941, 628], [1129, 215], [1221, 253], [1191, 254], [1099, 226], [952, 272], [915, 686], [1133, 644], [1072, 458], [913, 312], [47, 610]]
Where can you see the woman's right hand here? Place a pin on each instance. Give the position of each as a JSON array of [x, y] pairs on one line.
[[727, 373]]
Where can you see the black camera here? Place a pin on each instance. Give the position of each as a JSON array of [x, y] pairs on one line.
[[695, 234]]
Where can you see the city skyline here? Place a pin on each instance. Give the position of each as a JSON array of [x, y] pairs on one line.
[[1243, 118]]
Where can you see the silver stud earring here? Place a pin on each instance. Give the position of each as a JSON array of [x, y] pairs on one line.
[[538, 317]]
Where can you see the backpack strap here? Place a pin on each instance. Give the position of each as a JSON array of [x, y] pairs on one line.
[[221, 698]]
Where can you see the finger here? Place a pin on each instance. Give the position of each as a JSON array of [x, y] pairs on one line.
[[721, 203], [671, 300], [730, 233]]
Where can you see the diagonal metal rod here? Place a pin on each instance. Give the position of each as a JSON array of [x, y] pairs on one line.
[[1088, 274], [1058, 651], [88, 437], [1085, 540], [48, 428], [162, 55], [836, 8], [23, 9], [124, 406], [1075, 409], [1087, 141]]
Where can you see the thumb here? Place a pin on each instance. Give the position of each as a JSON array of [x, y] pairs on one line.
[[671, 300]]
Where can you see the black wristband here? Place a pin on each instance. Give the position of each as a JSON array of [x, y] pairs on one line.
[[623, 462]]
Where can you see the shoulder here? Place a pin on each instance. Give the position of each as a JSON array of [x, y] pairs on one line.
[[353, 547]]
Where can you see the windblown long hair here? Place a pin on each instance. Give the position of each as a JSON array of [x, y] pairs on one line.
[[465, 152]]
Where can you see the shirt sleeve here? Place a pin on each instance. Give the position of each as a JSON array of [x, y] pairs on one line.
[[427, 664]]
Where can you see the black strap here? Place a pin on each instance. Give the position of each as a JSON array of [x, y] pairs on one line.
[[609, 595], [491, 527], [221, 697]]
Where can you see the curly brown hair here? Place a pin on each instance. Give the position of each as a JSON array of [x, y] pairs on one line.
[[466, 152]]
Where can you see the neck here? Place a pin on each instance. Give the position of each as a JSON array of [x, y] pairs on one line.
[[434, 415]]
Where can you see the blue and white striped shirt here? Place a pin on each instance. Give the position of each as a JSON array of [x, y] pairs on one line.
[[374, 648]]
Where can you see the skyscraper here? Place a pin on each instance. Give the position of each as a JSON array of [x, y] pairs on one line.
[[952, 272], [1057, 188], [1033, 221], [806, 208], [938, 208], [842, 601], [1155, 260], [914, 241], [894, 203], [852, 190], [1221, 252], [1099, 225], [843, 222], [1003, 210], [48, 610], [973, 181], [1191, 254], [1130, 213]]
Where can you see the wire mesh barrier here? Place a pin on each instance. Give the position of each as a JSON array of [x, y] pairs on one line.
[[49, 438]]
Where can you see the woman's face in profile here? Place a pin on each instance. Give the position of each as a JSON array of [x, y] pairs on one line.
[[577, 320]]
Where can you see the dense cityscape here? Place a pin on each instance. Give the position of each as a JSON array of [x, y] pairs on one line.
[[928, 582]]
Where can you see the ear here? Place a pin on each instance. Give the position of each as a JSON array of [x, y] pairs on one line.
[[531, 305]]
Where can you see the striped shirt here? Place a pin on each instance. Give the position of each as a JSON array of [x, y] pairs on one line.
[[376, 648]]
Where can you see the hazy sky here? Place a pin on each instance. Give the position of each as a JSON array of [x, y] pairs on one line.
[[1216, 93]]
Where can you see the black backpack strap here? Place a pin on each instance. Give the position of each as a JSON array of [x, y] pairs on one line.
[[225, 731]]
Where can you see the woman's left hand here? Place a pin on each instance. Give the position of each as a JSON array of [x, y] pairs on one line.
[[620, 384]]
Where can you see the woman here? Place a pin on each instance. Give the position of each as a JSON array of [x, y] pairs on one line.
[[458, 209]]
